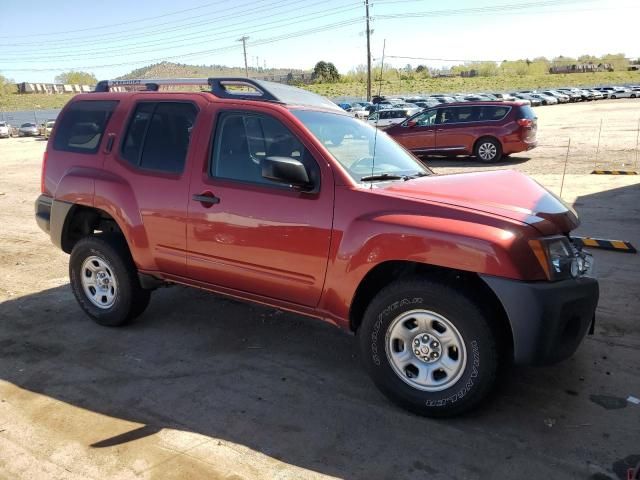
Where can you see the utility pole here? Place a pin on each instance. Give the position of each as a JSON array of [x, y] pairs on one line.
[[244, 47], [366, 3]]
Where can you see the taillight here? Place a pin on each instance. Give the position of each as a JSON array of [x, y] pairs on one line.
[[525, 122], [44, 168]]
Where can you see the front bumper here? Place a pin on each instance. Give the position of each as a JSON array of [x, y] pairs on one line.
[[548, 320]]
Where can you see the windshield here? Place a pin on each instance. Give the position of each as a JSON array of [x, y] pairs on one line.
[[351, 143]]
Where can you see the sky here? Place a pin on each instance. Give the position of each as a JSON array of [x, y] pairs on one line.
[[112, 38]]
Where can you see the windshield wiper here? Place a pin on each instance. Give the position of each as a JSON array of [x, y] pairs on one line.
[[381, 176], [414, 175]]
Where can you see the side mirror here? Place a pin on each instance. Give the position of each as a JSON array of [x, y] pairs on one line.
[[286, 170]]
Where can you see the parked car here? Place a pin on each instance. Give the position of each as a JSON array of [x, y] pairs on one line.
[[5, 130], [534, 102], [388, 116], [544, 98], [597, 95], [504, 97], [561, 97], [622, 93], [28, 130], [430, 102], [573, 95], [298, 205], [487, 130], [48, 127]]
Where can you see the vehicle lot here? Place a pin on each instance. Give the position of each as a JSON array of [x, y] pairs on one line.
[[202, 386]]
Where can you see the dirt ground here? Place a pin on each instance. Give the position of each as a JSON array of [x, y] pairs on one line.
[[206, 387]]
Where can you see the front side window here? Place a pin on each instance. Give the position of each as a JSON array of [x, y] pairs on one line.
[[158, 136], [82, 125], [243, 140], [359, 147], [425, 119]]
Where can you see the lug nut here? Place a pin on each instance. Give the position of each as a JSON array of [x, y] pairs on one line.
[[425, 338], [434, 344], [416, 342], [434, 354], [416, 351]]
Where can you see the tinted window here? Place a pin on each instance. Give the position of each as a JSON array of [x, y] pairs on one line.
[[527, 112], [243, 140], [82, 125], [494, 113], [158, 136]]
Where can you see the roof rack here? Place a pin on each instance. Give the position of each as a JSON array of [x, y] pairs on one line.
[[227, 87]]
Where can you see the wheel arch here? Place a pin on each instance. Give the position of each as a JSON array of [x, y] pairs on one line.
[[81, 221], [470, 283]]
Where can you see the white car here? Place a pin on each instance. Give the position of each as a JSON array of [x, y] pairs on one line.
[[5, 131], [545, 99], [622, 93], [562, 97], [389, 116]]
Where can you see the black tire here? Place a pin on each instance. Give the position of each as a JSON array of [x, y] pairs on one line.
[[130, 299], [480, 371], [483, 143], [612, 97]]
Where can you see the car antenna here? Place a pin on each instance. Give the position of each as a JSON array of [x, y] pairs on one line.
[[375, 135]]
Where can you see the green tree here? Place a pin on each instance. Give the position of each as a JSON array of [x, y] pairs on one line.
[[325, 72], [77, 78], [7, 86]]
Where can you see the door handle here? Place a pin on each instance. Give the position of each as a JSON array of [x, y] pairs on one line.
[[207, 198], [110, 138]]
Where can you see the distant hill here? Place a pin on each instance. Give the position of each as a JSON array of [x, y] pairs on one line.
[[180, 70]]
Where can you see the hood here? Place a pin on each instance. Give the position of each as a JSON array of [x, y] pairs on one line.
[[505, 193]]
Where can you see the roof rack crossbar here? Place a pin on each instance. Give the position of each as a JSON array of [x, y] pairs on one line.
[[220, 90]]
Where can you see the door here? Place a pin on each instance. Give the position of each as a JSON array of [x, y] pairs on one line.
[[455, 129], [418, 134], [252, 234], [153, 156]]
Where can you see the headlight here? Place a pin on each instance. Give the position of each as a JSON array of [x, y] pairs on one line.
[[559, 259]]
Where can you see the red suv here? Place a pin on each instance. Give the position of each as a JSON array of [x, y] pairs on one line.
[[488, 130], [277, 196]]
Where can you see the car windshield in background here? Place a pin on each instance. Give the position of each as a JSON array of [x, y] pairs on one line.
[[351, 142]]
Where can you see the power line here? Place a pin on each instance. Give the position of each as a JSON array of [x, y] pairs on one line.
[[112, 36], [119, 24], [265, 41], [217, 36]]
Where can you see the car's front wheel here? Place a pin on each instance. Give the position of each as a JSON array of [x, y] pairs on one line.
[[104, 280], [428, 348]]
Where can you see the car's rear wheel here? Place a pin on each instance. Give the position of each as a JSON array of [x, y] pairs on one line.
[[612, 96], [488, 150], [428, 348], [105, 281]]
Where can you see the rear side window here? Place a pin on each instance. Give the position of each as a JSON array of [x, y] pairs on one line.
[[158, 136], [494, 113], [527, 112], [81, 127]]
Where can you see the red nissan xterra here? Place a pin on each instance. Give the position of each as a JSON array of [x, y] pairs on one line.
[[274, 195]]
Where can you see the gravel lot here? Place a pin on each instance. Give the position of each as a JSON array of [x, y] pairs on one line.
[[206, 387]]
